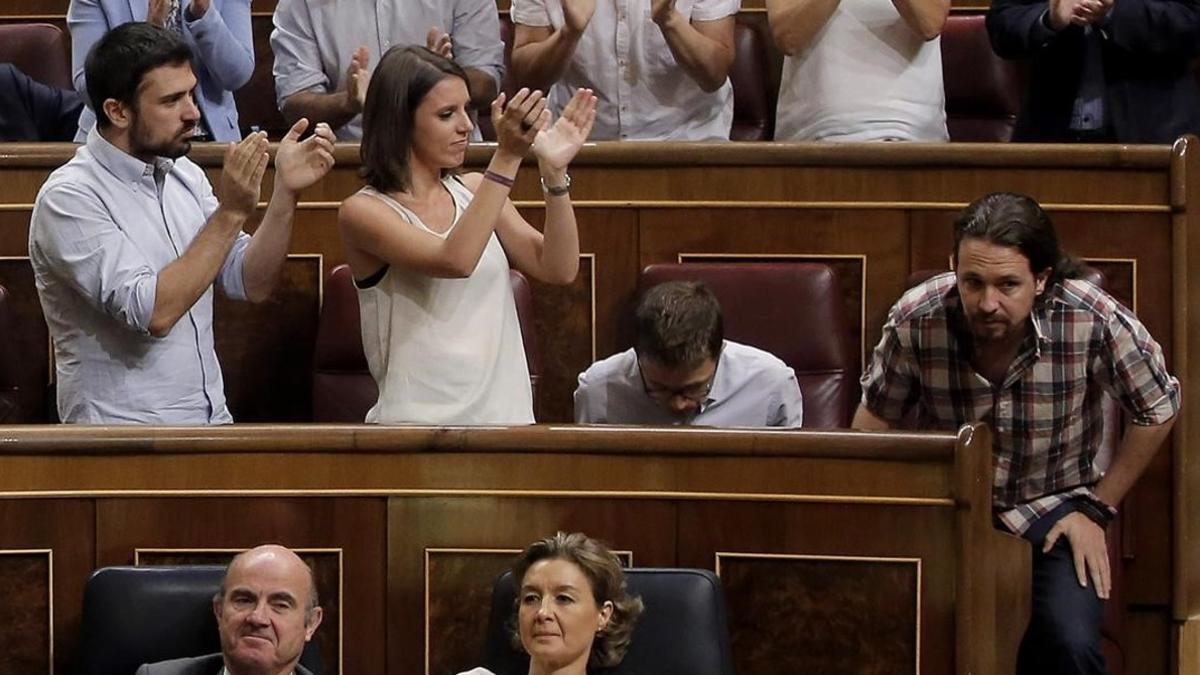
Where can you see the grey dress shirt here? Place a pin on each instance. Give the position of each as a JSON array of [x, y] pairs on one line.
[[104, 225], [751, 388], [313, 40]]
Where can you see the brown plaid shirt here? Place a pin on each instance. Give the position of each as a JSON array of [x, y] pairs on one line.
[[1046, 415]]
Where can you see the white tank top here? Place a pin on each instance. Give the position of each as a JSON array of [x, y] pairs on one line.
[[867, 76], [445, 351]]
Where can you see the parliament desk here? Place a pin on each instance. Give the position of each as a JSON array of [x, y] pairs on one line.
[[839, 552], [875, 213]]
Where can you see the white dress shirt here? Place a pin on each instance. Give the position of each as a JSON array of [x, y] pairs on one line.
[[751, 388], [644, 94], [104, 225], [314, 40]]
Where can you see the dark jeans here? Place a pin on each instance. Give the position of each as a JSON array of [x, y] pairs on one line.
[[1063, 637]]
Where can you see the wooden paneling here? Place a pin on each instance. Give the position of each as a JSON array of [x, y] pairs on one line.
[[61, 531], [26, 584], [841, 616], [731, 532], [409, 521], [345, 540], [1129, 207], [264, 383]]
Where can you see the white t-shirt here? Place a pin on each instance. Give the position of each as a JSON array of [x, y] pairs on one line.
[[644, 94], [867, 76]]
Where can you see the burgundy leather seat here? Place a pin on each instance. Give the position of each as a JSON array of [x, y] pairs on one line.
[[1112, 627], [983, 91], [343, 389], [792, 310], [753, 114], [40, 50]]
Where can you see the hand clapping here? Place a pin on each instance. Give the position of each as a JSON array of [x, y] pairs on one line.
[[299, 164], [557, 146]]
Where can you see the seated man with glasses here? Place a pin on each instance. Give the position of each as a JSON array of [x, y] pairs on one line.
[[683, 371]]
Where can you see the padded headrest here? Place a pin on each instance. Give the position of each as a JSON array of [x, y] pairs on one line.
[[40, 50], [681, 632], [136, 615]]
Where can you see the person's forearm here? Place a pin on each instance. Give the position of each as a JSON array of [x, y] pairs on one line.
[[560, 244], [181, 283], [704, 59], [795, 23], [269, 246], [465, 243], [925, 17], [483, 87], [538, 65], [334, 109], [1137, 448]]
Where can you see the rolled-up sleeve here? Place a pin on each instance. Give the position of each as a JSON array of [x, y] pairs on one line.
[[476, 36], [530, 12], [83, 247], [297, 56], [890, 383], [1136, 371], [712, 10]]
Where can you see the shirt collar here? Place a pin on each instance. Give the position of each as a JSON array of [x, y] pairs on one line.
[[124, 166]]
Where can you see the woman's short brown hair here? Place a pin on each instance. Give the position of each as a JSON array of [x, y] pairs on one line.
[[400, 82], [604, 572]]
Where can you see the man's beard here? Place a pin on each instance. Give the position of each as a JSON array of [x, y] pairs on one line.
[[171, 149]]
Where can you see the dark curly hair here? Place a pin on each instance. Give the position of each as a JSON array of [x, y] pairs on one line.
[[604, 572]]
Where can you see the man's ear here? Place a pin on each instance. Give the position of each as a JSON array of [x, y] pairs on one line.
[[314, 620], [1041, 279], [217, 609], [118, 113]]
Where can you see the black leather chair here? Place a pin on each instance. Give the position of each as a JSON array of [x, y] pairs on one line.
[[681, 632], [136, 615]]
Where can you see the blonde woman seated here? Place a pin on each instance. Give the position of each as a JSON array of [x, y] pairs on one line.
[[573, 612], [430, 249]]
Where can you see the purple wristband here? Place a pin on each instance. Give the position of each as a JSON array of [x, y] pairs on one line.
[[498, 178]]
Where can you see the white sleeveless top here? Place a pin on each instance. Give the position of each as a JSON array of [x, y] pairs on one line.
[[445, 351], [866, 76]]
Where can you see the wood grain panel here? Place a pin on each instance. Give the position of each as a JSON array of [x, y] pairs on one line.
[[26, 633], [823, 530], [352, 634], [67, 528], [841, 616], [263, 347], [418, 524], [31, 339]]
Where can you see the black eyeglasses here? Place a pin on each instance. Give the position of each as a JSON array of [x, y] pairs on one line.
[[696, 393]]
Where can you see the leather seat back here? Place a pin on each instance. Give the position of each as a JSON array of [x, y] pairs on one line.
[[40, 50], [983, 91]]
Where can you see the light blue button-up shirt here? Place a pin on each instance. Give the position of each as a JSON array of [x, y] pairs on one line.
[[751, 388], [313, 41], [104, 225]]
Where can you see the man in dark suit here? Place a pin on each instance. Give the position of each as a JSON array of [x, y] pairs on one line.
[[1103, 70], [266, 611], [32, 111]]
